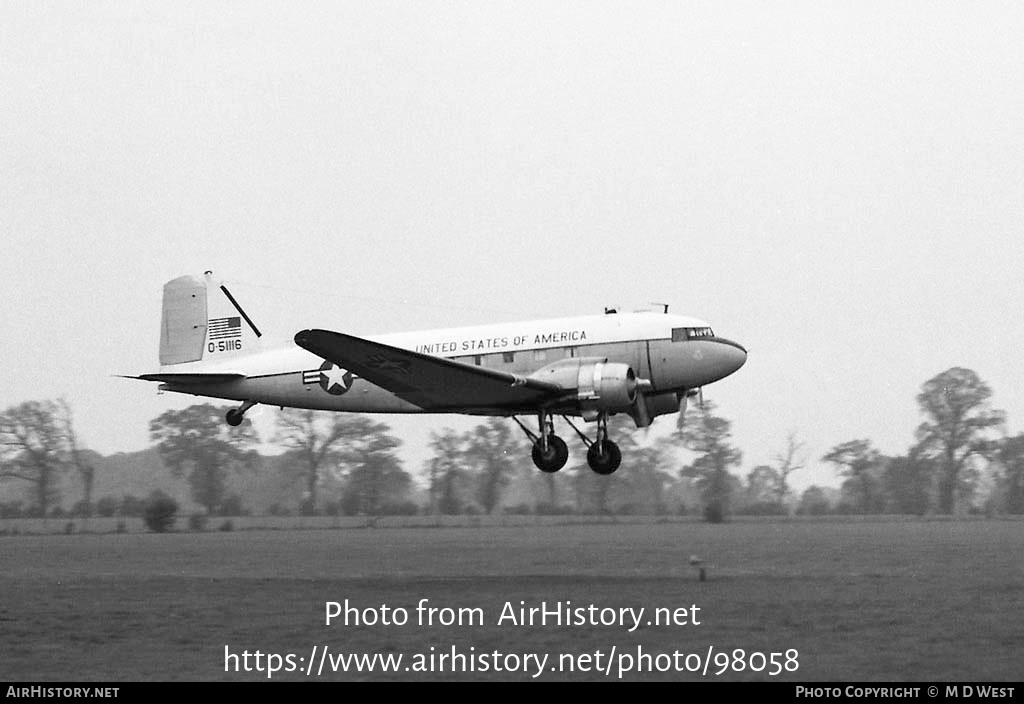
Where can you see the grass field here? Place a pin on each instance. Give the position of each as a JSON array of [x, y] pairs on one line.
[[862, 601]]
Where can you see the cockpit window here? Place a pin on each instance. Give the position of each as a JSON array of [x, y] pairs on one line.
[[681, 334]]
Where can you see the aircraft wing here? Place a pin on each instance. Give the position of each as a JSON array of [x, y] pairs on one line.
[[433, 383]]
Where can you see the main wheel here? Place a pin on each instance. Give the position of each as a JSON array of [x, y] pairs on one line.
[[556, 456], [604, 462], [233, 417]]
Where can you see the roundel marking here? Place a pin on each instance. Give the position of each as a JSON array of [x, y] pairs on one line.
[[334, 380]]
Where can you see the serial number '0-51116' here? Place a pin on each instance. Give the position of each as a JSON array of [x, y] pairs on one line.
[[224, 346]]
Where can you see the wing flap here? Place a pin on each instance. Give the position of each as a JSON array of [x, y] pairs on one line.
[[432, 383]]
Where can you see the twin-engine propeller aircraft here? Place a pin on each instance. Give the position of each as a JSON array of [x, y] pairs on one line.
[[644, 364]]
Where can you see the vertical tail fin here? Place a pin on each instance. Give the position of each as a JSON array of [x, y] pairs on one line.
[[202, 321], [183, 323]]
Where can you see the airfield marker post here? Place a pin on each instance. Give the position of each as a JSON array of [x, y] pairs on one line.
[[698, 563]]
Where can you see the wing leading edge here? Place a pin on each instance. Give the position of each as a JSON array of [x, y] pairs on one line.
[[432, 383]]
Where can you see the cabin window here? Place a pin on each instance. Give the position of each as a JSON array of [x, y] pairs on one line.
[[681, 334], [508, 357], [539, 355], [476, 360]]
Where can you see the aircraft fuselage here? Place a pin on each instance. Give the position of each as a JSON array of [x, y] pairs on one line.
[[674, 353]]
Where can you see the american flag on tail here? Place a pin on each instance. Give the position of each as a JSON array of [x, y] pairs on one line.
[[225, 328]]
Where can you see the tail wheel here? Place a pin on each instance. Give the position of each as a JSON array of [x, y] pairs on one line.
[[604, 462], [554, 458], [236, 415]]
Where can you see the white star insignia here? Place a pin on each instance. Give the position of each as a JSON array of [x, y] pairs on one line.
[[336, 375]]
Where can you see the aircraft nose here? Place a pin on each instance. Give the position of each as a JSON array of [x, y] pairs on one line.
[[731, 356]]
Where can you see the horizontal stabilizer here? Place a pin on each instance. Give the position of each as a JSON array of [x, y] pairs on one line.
[[192, 378]]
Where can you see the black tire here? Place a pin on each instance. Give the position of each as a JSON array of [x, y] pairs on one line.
[[606, 462], [555, 458], [234, 418]]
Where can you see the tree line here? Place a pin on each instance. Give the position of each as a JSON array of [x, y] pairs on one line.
[[348, 464], [959, 444]]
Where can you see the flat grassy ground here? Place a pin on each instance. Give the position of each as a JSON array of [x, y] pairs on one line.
[[861, 601]]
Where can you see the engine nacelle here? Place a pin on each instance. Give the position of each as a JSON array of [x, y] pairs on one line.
[[649, 406], [600, 386], [603, 386]]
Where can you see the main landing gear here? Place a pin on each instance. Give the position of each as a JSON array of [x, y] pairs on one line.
[[603, 455], [236, 415], [550, 452]]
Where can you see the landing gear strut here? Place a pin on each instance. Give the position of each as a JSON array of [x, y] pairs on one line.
[[603, 455], [550, 452], [236, 415]]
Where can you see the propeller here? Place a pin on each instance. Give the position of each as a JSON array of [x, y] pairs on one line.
[[690, 393], [699, 393]]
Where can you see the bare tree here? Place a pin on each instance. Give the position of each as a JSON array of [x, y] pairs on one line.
[[33, 443], [788, 461], [86, 470]]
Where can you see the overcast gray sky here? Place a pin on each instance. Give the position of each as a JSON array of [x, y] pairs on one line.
[[837, 185]]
